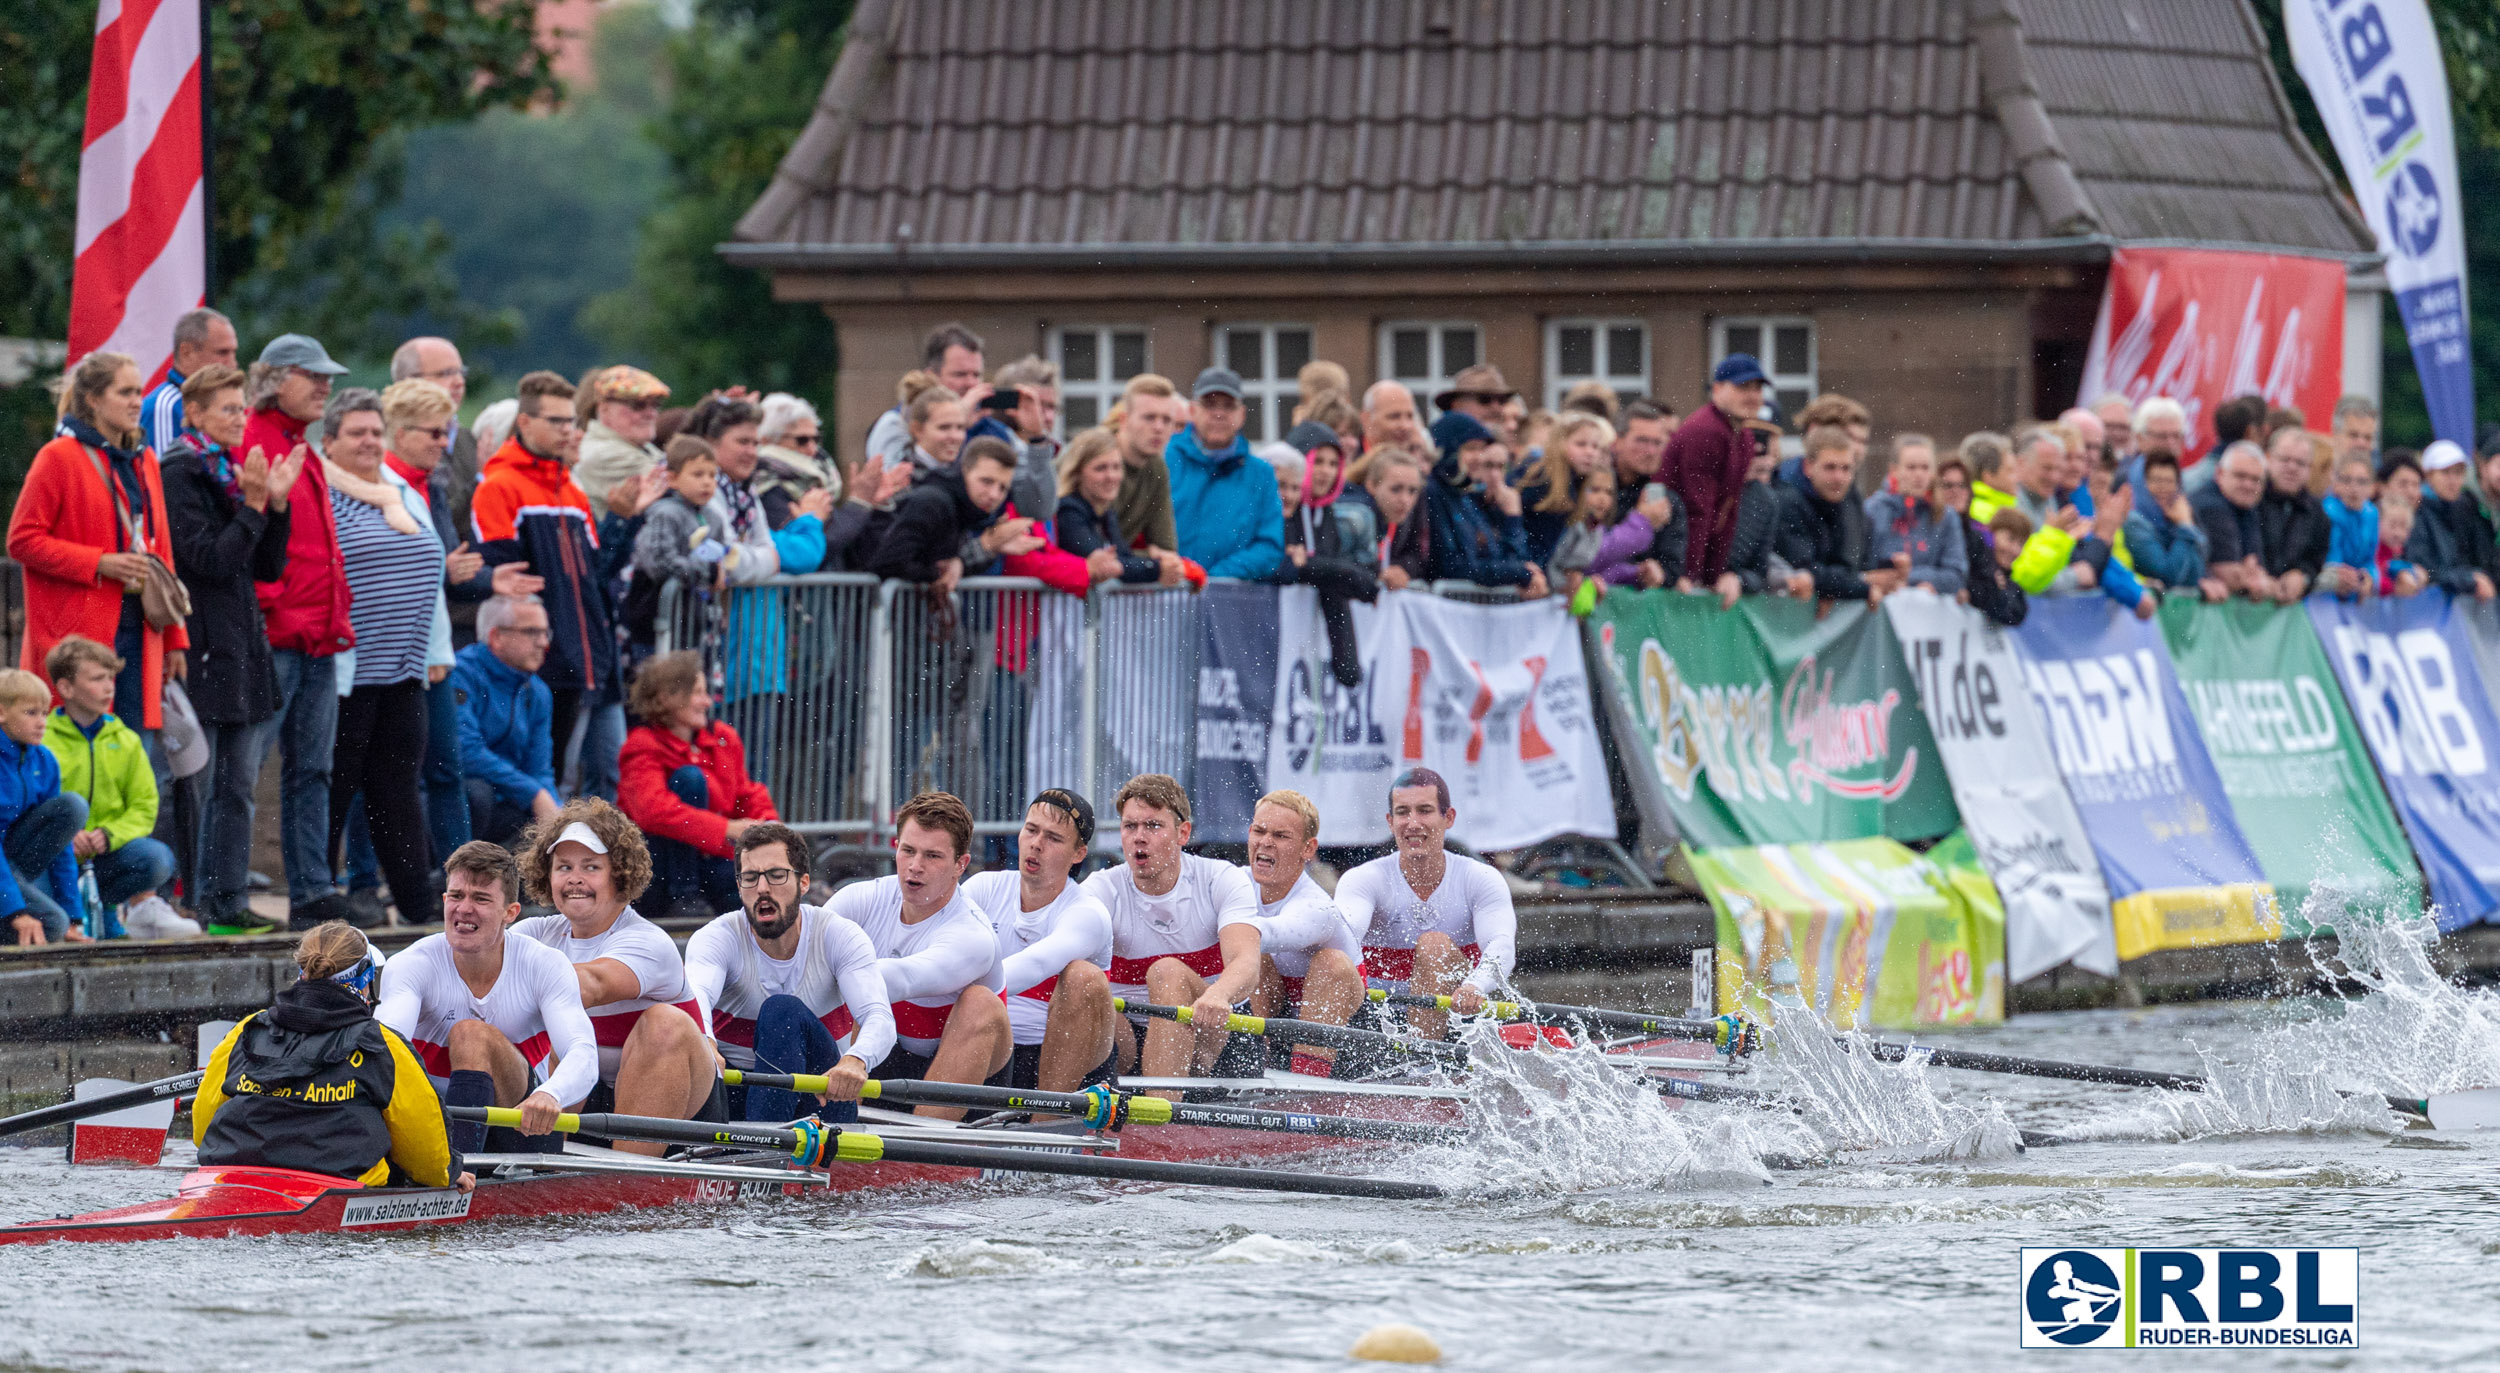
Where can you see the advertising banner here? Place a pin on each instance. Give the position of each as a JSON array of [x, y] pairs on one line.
[[2201, 326], [2408, 668], [1495, 698], [2015, 811], [2373, 68], [2180, 871], [1764, 724], [2291, 761], [1236, 705], [1878, 936]]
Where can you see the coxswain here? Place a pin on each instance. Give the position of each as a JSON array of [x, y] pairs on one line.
[[787, 987], [1310, 955], [935, 953], [316, 1083], [1054, 947], [1184, 931], [497, 1021], [1435, 923], [589, 862]]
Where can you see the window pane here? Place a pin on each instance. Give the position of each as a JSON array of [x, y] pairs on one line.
[[1623, 351], [1790, 355], [1410, 352], [1792, 400], [1128, 354], [1458, 350], [1293, 350], [1079, 359], [1745, 338], [1575, 350], [1254, 418], [1077, 413], [1242, 353]]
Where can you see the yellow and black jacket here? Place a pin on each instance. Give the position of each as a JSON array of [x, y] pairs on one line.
[[316, 1083]]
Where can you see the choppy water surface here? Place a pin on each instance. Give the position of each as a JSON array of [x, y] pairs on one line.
[[1614, 1233]]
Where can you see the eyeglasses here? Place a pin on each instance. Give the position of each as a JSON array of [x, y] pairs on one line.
[[799, 440], [439, 433], [538, 635], [558, 421], [767, 877]]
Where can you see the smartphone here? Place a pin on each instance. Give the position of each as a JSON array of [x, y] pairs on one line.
[[1655, 491]]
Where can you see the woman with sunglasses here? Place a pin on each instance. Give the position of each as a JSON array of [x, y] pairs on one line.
[[315, 1083], [792, 462]]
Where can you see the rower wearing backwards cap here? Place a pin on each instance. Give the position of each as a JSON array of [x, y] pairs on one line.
[[788, 987], [1184, 930], [497, 1022], [316, 1083], [589, 862], [1054, 943], [1437, 923]]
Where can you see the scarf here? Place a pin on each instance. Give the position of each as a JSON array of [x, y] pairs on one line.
[[124, 465]]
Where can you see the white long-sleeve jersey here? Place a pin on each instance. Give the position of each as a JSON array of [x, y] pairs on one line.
[[925, 964], [536, 1003], [833, 970], [646, 951], [1306, 921], [1471, 906], [1184, 923], [1034, 945]]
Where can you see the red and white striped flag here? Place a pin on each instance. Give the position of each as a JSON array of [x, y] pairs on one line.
[[142, 247]]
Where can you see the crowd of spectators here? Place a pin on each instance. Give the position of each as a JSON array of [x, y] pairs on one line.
[[445, 628]]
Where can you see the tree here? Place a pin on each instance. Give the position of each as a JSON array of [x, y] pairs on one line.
[[742, 80]]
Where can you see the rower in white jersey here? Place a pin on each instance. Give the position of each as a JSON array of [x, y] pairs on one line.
[[1311, 956], [497, 1022], [589, 862], [786, 987], [1054, 942], [1435, 922], [935, 953], [1184, 931]]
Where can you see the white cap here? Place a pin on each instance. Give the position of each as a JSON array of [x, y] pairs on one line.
[[2442, 453], [578, 833]]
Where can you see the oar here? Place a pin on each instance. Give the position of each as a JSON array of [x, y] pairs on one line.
[[1104, 1108], [815, 1145], [180, 1084], [1302, 1031], [1727, 1033]]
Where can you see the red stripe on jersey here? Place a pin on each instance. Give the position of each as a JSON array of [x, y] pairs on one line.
[[1398, 965], [612, 1028], [915, 1021], [1041, 991], [730, 1029], [437, 1057], [1131, 972]]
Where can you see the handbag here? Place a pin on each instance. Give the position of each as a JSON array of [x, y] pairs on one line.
[[163, 599]]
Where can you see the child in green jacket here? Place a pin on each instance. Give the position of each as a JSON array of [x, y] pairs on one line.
[[104, 761]]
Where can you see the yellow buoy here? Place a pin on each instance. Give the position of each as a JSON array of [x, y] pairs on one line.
[[1394, 1343]]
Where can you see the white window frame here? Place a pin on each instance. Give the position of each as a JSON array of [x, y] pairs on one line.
[[1105, 389], [1803, 385], [1628, 386], [1438, 380], [1275, 390]]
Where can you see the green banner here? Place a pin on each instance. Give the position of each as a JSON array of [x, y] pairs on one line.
[[2291, 760], [1767, 725], [1879, 937]]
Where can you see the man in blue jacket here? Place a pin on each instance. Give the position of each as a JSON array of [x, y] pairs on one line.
[[507, 743], [1223, 500]]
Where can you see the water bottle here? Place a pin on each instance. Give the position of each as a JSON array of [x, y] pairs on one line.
[[92, 900]]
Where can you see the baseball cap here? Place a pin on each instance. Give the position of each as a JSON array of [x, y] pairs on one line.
[[1079, 810], [2440, 454], [1217, 381], [1737, 367], [300, 350], [1310, 434]]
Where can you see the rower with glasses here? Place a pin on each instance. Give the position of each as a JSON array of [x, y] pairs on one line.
[[1435, 923], [787, 987]]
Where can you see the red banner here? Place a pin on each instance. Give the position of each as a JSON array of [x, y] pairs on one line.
[[2201, 326]]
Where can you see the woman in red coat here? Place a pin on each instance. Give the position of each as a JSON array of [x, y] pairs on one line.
[[86, 493], [683, 781]]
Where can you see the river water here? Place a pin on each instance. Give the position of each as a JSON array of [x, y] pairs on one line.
[[1616, 1234]]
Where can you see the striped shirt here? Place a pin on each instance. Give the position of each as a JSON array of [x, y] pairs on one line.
[[160, 415], [392, 582]]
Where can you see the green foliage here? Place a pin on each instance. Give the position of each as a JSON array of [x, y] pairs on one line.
[[743, 79]]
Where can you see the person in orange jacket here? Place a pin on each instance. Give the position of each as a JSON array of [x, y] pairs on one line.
[[683, 781]]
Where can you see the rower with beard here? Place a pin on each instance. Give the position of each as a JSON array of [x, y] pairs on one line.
[[935, 953], [1184, 931], [316, 1083], [589, 862], [1311, 956], [787, 987], [1054, 941], [1435, 923], [497, 1021]]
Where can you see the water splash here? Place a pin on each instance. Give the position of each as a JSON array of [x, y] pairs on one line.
[[1857, 1103]]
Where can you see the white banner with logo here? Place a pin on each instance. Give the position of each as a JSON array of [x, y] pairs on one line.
[[2373, 68], [2005, 780], [1494, 698]]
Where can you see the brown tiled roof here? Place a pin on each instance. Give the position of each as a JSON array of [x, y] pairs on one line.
[[1048, 130]]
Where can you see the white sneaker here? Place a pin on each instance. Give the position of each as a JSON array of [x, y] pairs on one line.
[[155, 918]]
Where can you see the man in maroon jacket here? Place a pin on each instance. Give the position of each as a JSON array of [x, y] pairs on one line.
[[308, 628], [1707, 460]]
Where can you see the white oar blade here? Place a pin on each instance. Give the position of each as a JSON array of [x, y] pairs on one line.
[[2475, 1110]]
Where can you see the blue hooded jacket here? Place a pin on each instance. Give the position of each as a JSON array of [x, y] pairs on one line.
[[1470, 543], [507, 725], [2352, 537], [1225, 508], [30, 776]]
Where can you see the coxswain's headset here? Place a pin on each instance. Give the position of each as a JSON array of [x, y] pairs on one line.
[[358, 976]]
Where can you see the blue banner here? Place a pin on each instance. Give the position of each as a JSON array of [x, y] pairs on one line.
[[2181, 874], [1236, 699], [2408, 667]]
